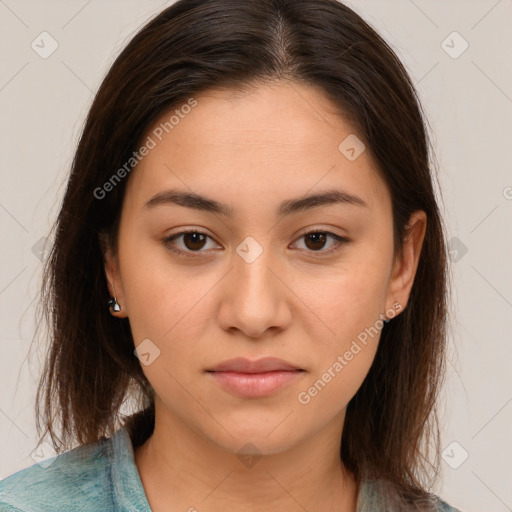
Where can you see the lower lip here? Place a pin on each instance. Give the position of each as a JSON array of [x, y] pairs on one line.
[[255, 385]]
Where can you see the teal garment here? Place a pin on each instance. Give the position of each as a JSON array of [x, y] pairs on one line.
[[103, 477]]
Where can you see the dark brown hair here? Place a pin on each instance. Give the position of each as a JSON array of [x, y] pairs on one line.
[[192, 46]]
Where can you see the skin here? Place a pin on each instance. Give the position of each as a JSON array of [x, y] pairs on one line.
[[252, 151]]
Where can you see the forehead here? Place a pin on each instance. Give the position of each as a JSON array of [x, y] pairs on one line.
[[269, 141]]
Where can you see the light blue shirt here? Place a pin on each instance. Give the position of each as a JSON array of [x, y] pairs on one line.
[[103, 477]]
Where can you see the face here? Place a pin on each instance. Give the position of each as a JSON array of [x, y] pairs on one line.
[[250, 279]]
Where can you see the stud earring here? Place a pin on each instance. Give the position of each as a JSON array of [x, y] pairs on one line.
[[114, 304]]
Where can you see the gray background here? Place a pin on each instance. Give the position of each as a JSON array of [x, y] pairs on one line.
[[468, 100]]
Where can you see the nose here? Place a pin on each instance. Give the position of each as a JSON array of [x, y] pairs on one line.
[[255, 298]]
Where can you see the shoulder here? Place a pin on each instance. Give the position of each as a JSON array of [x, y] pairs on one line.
[[442, 506], [378, 494], [65, 482]]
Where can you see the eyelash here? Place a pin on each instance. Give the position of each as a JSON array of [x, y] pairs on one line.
[[167, 242]]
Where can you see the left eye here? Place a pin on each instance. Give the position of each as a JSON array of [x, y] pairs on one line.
[[194, 241], [318, 238]]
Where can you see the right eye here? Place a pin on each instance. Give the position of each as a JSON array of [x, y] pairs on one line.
[[193, 241]]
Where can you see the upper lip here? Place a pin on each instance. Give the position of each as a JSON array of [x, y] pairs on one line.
[[242, 365]]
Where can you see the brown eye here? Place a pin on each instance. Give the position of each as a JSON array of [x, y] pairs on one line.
[[191, 242], [194, 241], [315, 241]]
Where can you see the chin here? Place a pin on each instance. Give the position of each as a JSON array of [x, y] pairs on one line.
[[254, 441]]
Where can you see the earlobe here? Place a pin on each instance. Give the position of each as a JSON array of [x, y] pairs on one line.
[[406, 264], [116, 301]]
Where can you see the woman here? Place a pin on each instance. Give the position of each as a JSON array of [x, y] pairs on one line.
[[250, 246]]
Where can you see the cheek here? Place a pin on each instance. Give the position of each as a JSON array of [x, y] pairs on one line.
[[164, 301], [350, 302], [352, 307], [350, 298], [329, 392]]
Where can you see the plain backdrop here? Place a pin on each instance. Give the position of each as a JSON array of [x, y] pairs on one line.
[[467, 95]]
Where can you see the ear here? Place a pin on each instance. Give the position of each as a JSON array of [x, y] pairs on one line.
[[112, 274], [406, 263]]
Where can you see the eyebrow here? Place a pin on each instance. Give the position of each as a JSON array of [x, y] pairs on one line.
[[288, 207]]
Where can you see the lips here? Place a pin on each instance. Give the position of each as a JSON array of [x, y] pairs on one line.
[[266, 364], [254, 379]]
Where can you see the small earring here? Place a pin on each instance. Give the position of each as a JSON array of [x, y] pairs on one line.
[[114, 304], [396, 305]]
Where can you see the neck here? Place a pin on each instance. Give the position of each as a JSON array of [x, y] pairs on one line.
[[182, 470]]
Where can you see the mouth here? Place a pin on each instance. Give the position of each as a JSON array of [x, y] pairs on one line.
[[263, 365], [254, 379]]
